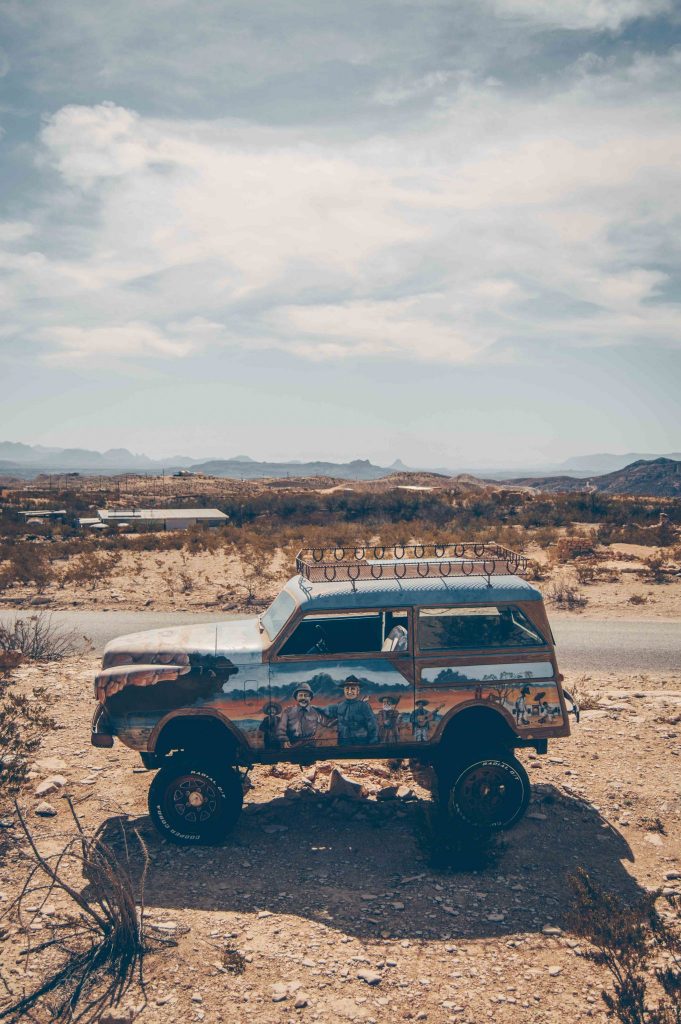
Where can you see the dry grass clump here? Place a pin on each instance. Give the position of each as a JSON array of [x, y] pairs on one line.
[[38, 638], [23, 721], [638, 945], [90, 951], [91, 568], [586, 698], [565, 595], [657, 568], [24, 718], [29, 564]]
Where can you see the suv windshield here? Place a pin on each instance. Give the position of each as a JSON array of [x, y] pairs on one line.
[[278, 613]]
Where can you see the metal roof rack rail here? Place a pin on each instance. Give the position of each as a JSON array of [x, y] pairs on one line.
[[408, 561]]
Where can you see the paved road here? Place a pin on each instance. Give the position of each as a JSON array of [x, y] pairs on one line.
[[584, 645]]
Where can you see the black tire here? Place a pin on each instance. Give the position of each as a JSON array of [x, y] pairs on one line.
[[488, 793], [151, 761], [195, 804]]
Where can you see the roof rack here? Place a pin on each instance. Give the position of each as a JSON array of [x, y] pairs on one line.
[[409, 561]]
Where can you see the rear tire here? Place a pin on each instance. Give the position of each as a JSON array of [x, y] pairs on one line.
[[489, 793], [193, 803]]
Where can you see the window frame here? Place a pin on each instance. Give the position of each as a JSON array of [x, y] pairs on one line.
[[290, 628], [438, 652]]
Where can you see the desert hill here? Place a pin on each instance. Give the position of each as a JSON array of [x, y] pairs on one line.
[[659, 477]]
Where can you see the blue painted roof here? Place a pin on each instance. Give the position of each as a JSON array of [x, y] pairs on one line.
[[407, 592]]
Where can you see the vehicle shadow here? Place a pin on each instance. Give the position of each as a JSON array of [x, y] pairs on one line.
[[364, 868]]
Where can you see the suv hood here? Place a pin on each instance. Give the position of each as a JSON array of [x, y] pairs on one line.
[[239, 639]]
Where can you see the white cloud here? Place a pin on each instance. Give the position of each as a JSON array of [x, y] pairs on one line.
[[503, 220], [584, 14], [139, 340], [400, 327], [14, 231]]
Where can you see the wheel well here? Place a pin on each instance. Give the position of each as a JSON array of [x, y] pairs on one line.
[[477, 728], [199, 734]]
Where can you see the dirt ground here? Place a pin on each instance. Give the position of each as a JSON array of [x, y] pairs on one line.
[[185, 581], [315, 892]]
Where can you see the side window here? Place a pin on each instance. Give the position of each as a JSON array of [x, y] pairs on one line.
[[443, 629], [349, 633]]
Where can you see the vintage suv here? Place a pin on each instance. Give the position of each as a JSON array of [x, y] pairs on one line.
[[440, 653]]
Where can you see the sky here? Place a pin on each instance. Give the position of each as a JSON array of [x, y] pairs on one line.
[[446, 232]]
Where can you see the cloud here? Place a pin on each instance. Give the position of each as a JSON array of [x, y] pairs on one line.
[[583, 14], [399, 327], [501, 223], [138, 340]]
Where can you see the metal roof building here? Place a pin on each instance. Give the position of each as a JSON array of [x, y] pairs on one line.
[[166, 518]]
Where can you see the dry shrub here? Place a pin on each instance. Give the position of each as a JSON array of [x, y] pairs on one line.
[[656, 570], [638, 945], [91, 568], [23, 721], [186, 583], [202, 538], [536, 572], [38, 638], [544, 536], [94, 950], [638, 599], [23, 718], [586, 698], [28, 564], [257, 573], [565, 595], [587, 571]]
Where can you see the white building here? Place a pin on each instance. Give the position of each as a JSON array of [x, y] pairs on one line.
[[165, 518]]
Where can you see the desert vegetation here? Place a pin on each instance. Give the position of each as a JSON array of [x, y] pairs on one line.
[[24, 717], [576, 542], [639, 944], [93, 941]]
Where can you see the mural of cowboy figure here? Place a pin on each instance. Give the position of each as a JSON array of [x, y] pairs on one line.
[[388, 719], [269, 725], [299, 722], [422, 719], [520, 708], [355, 720]]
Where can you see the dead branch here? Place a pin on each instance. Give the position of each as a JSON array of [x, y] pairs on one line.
[[101, 947]]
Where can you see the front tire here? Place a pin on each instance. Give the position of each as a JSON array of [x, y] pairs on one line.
[[487, 794], [195, 804]]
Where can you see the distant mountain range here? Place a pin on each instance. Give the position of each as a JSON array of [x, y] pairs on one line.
[[27, 461], [593, 464], [657, 477]]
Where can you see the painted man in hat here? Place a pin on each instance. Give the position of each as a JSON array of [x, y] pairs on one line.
[[388, 719], [355, 720], [298, 723], [422, 718], [268, 727]]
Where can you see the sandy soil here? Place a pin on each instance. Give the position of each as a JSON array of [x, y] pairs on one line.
[[315, 891], [184, 581]]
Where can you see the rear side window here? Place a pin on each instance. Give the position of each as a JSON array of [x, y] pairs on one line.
[[446, 629]]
